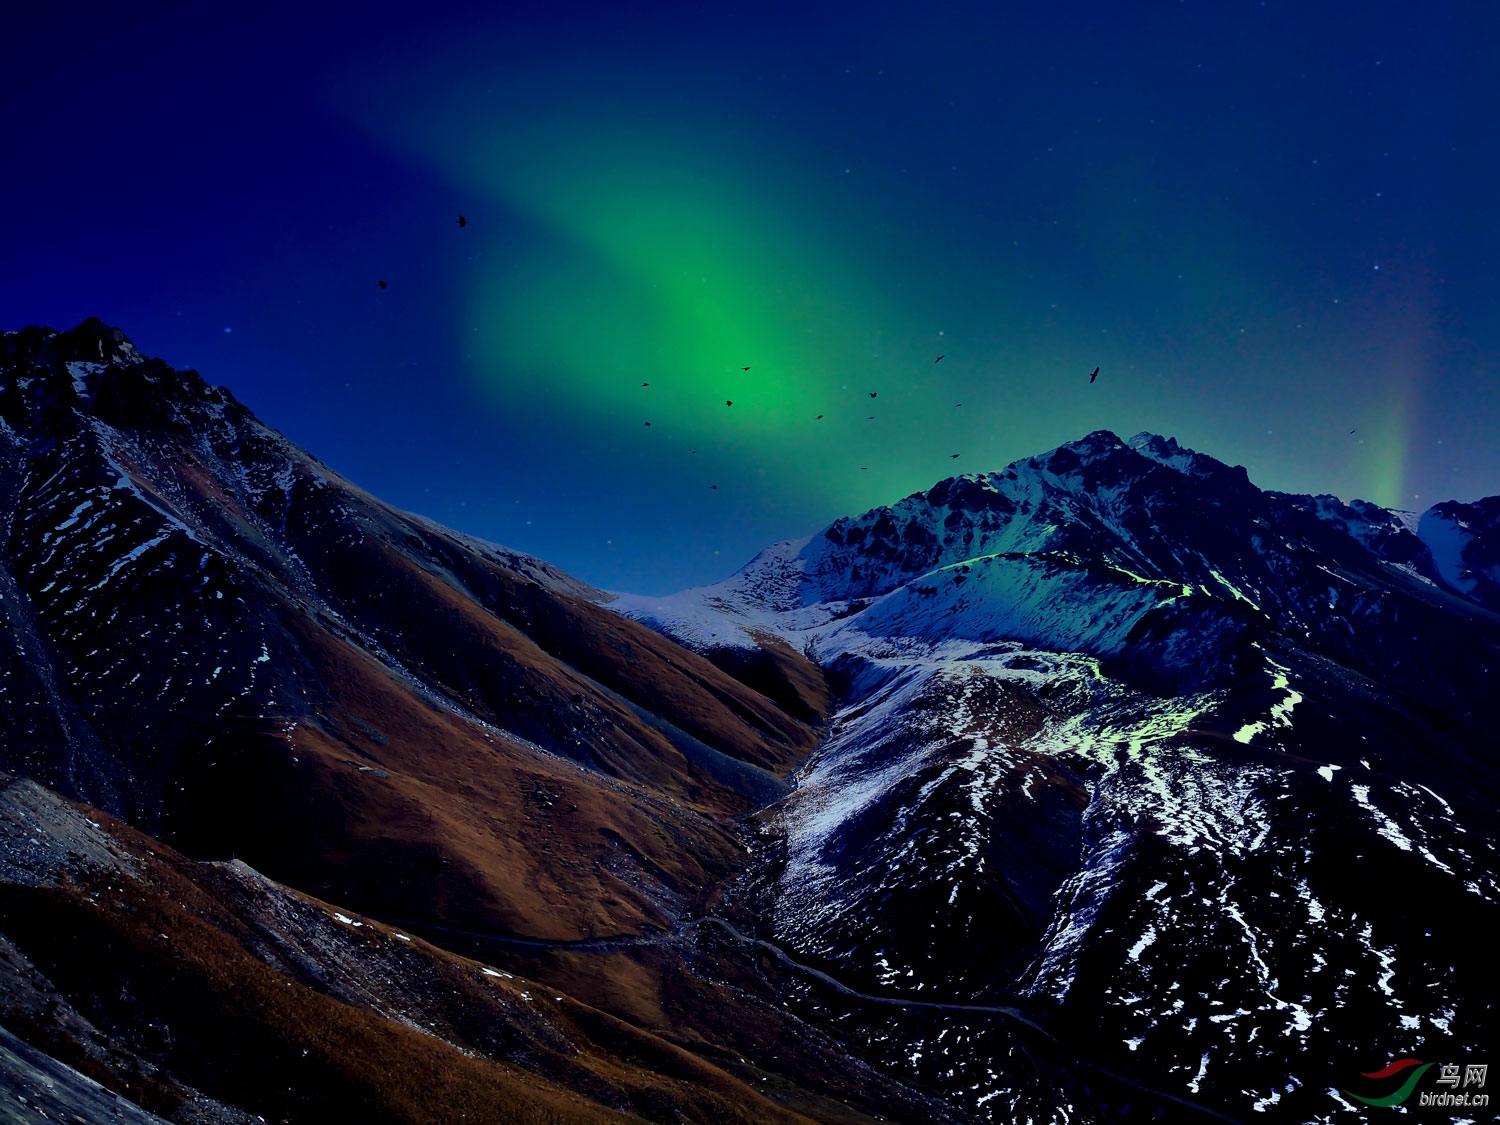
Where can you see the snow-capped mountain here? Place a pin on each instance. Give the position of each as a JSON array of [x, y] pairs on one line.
[[1206, 772]]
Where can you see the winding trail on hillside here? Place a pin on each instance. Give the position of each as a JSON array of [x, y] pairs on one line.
[[557, 945], [932, 1005], [893, 1001], [627, 941]]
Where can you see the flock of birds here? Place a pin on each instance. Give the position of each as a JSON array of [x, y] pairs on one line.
[[869, 418], [463, 222], [1093, 375]]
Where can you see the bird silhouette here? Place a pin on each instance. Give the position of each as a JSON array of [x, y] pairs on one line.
[[1094, 376], [645, 384], [713, 486], [939, 358], [874, 393], [381, 284], [869, 418], [1355, 428], [953, 455], [648, 423], [820, 416], [463, 222], [958, 404], [728, 402], [744, 369]]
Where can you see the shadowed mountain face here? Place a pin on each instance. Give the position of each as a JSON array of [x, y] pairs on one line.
[[206, 993], [214, 636]]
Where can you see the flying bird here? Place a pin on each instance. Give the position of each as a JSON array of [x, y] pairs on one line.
[[1094, 376], [1355, 428], [645, 384], [463, 222], [874, 393], [820, 416], [939, 358], [958, 404], [713, 486], [728, 402], [381, 284], [744, 369], [648, 423], [953, 455]]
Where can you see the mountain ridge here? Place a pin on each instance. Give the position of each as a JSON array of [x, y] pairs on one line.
[[1083, 460], [185, 577], [1194, 777]]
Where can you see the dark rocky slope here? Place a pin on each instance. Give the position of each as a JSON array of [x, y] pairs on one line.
[[210, 636], [214, 636]]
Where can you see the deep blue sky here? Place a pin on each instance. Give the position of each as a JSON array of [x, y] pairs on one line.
[[1268, 223]]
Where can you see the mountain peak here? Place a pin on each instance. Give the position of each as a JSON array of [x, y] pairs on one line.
[[96, 369], [1166, 451], [1157, 447], [1092, 448], [92, 341], [1103, 456]]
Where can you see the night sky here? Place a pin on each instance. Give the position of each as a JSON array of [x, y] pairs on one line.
[[1268, 224]]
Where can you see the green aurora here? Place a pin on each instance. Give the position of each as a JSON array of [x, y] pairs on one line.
[[1270, 227], [677, 244]]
